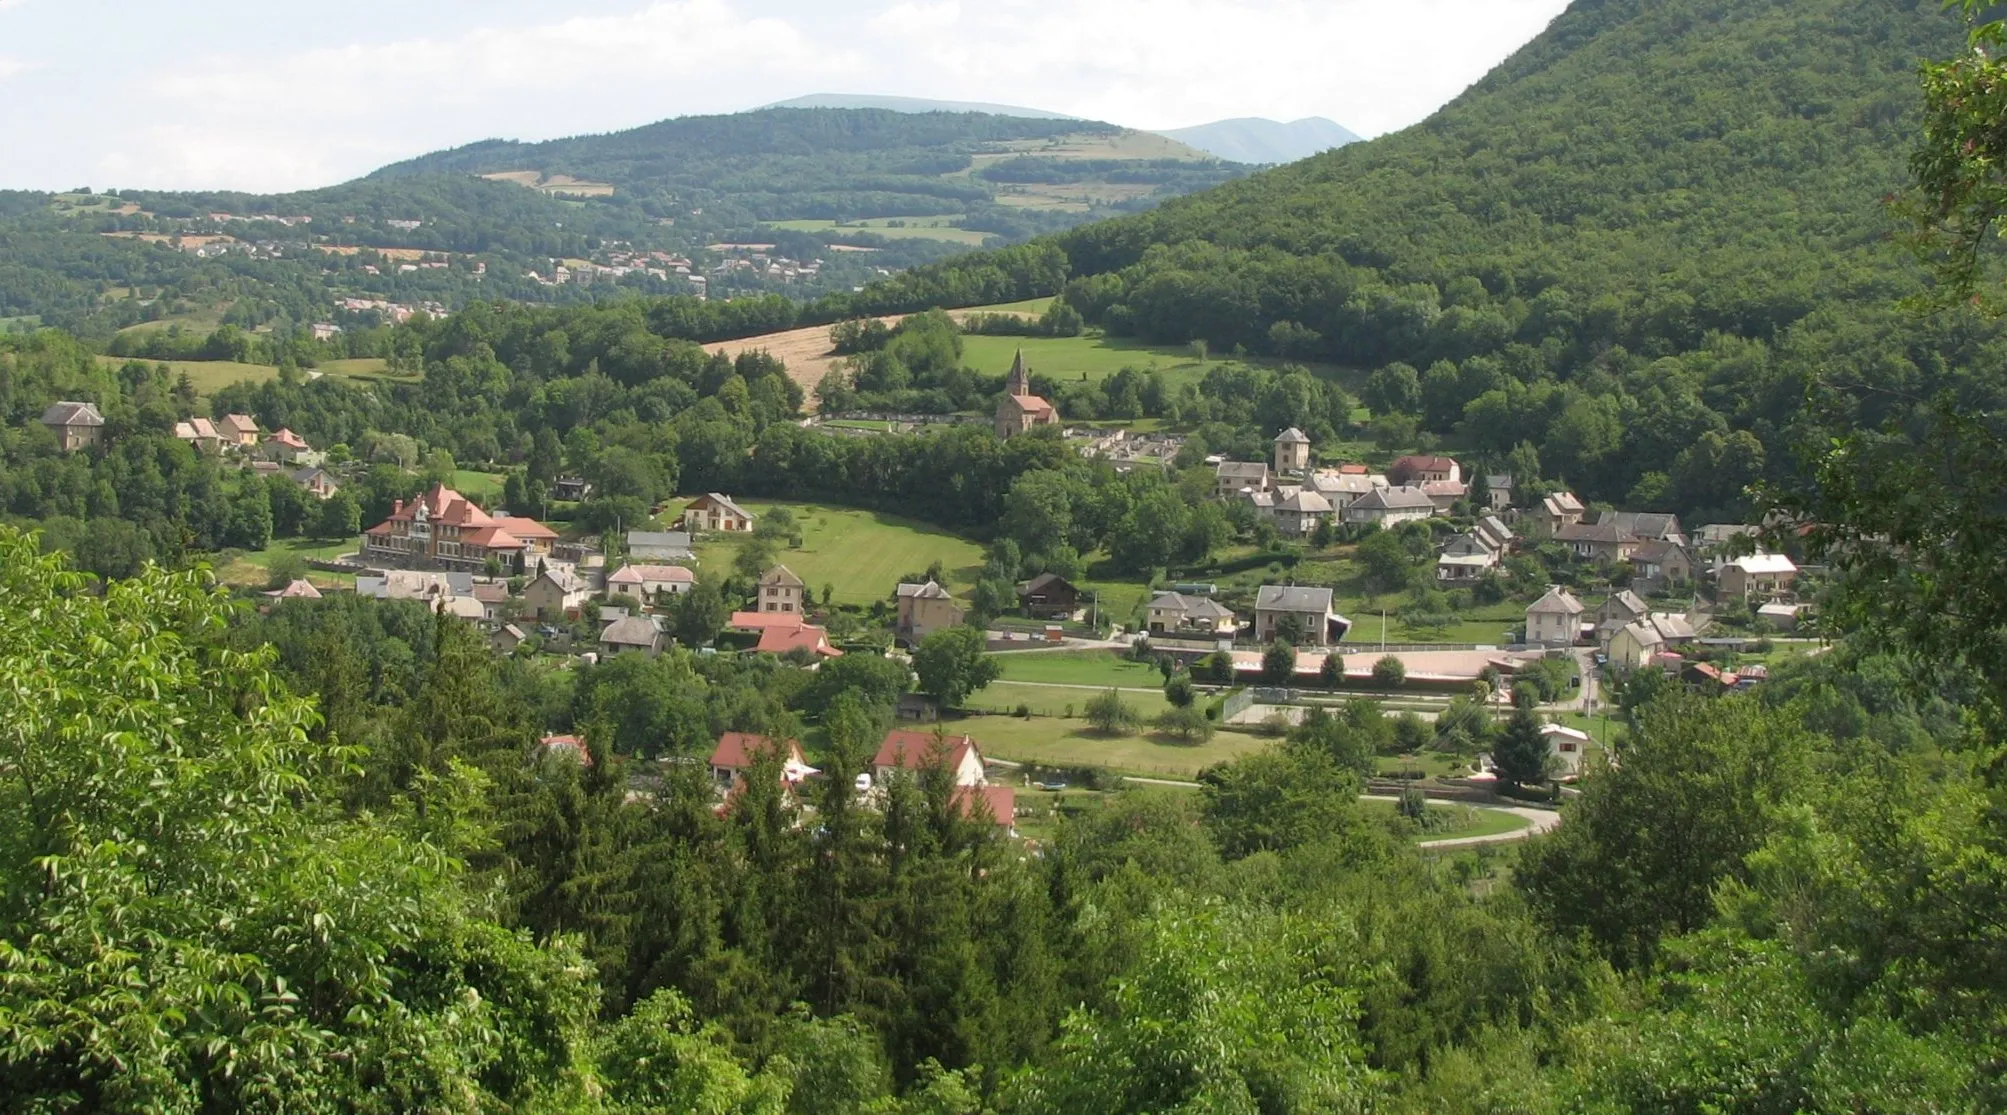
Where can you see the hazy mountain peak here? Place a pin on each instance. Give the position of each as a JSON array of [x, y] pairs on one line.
[[1252, 139]]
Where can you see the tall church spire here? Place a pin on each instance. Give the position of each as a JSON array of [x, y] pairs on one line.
[[1019, 382]]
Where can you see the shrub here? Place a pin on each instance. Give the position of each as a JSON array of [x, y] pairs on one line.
[[1186, 725], [1109, 714], [1179, 691], [1389, 672]]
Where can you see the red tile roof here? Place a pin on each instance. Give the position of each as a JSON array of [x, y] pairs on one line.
[[780, 640], [1031, 404], [735, 750], [569, 746], [909, 749], [289, 439], [1418, 463], [1000, 802], [760, 621]]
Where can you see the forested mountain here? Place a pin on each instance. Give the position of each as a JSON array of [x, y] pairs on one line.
[[1254, 140], [906, 190], [1629, 248]]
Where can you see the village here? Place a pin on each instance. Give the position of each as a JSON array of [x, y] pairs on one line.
[[1258, 656]]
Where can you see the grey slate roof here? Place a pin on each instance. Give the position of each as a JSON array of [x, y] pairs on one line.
[[1291, 436], [658, 540], [73, 414], [1292, 598], [633, 631], [1557, 600], [1394, 499]]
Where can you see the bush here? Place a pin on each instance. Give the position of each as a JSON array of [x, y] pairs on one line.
[[1389, 673], [1275, 725], [1332, 672], [1109, 714], [1179, 691], [1187, 725], [1278, 663]]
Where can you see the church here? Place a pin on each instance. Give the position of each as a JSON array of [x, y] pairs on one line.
[[1020, 410]]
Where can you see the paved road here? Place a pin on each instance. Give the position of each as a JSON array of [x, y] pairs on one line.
[[1538, 821]]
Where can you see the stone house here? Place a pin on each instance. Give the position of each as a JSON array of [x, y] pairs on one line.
[[1309, 607], [925, 609], [1555, 619], [76, 425]]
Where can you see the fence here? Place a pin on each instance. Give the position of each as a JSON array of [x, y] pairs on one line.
[[1236, 703]]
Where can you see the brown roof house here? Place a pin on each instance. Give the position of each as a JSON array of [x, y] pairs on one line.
[[714, 512], [285, 446], [76, 425], [1049, 596], [239, 430], [1555, 619], [925, 609], [1174, 614], [1020, 411], [1560, 509]]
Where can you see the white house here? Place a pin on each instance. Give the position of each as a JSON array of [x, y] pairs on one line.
[[1388, 506]]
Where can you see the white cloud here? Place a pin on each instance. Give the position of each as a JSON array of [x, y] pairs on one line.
[[1370, 64], [11, 66], [291, 122]]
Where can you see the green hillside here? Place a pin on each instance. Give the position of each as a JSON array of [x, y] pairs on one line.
[[865, 191], [1616, 248]]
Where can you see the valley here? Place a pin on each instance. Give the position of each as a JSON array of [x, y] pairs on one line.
[[879, 606]]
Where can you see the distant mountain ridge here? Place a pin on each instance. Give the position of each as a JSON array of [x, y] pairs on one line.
[[1252, 139], [914, 104]]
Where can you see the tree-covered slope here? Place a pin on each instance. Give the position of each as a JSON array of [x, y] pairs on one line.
[[1644, 171], [846, 163]]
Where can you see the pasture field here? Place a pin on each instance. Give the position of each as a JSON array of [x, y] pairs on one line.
[[1092, 356], [911, 228], [487, 485], [1072, 743], [1103, 668], [211, 376], [861, 553], [1053, 700]]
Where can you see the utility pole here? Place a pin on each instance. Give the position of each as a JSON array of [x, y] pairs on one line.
[[1383, 631]]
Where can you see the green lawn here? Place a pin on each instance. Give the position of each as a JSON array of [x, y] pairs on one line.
[[1053, 700], [1071, 743], [862, 553], [1079, 667], [209, 376], [1030, 307], [915, 228], [1091, 356], [254, 567], [1478, 822], [484, 484]]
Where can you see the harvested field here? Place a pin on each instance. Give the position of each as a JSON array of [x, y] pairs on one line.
[[807, 353]]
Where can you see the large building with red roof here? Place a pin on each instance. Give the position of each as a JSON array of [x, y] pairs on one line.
[[444, 529]]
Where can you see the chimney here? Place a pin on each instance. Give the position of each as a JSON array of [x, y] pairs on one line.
[[396, 505]]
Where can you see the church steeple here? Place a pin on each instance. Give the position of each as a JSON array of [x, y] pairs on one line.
[[1019, 382]]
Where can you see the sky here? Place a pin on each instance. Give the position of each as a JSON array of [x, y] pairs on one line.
[[274, 95]]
